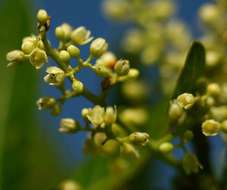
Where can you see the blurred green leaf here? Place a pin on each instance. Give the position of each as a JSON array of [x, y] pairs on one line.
[[193, 70], [26, 161]]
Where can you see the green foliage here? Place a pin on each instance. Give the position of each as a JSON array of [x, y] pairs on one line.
[[193, 70], [22, 165]]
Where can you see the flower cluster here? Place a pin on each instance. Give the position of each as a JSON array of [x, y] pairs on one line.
[[100, 121]]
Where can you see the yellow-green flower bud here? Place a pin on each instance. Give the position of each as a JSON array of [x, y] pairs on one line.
[[56, 109], [99, 138], [209, 14], [219, 113], [191, 163], [27, 47], [186, 100], [129, 150], [210, 127], [110, 115], [224, 126], [68, 125], [213, 58], [64, 56], [108, 60], [73, 51], [42, 16], [98, 47], [133, 73], [213, 89], [63, 32], [80, 36], [134, 117], [84, 112], [55, 76], [166, 147], [15, 56], [77, 86], [45, 102], [69, 185], [139, 138], [111, 147], [175, 111], [38, 57], [122, 67]]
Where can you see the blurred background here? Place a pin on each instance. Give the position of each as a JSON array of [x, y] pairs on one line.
[[33, 154]]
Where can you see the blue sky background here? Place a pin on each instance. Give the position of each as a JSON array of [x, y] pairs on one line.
[[89, 14]]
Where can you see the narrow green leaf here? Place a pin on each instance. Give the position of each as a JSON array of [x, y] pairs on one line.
[[193, 70], [25, 159]]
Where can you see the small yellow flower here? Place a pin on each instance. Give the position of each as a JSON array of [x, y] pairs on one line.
[[122, 67], [38, 57], [55, 76], [110, 115], [81, 36], [186, 100], [210, 127], [15, 56], [63, 32], [96, 116], [139, 138], [68, 125], [98, 47]]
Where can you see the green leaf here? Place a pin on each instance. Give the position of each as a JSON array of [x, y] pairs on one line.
[[26, 161], [193, 70]]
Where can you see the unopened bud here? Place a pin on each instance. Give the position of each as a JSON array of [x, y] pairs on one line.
[[99, 138], [122, 67], [15, 56], [186, 100], [84, 112], [213, 89], [42, 16], [111, 147], [139, 138], [133, 73], [64, 56], [175, 111], [45, 102], [98, 47], [68, 125], [77, 86], [129, 150], [63, 32], [73, 51], [166, 147]]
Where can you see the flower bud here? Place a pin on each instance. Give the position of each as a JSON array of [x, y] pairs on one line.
[[129, 150], [38, 57], [133, 73], [45, 102], [209, 14], [15, 56], [64, 56], [68, 125], [166, 147], [96, 116], [63, 32], [213, 89], [73, 51], [99, 138], [56, 110], [77, 86], [111, 147], [55, 76], [191, 163], [122, 67], [110, 115], [69, 185], [139, 138], [175, 111], [84, 112], [108, 60], [42, 16], [186, 100], [224, 126], [213, 58], [27, 47], [210, 127], [80, 36], [98, 47]]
